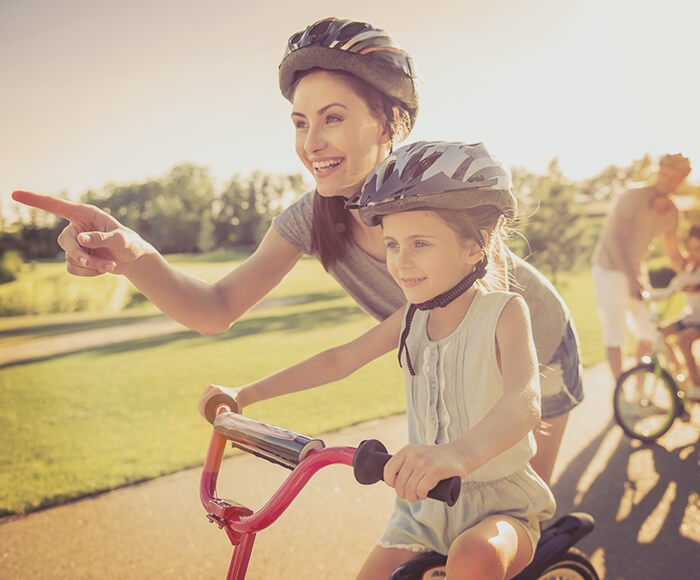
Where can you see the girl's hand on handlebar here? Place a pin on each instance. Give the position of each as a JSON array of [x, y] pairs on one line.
[[215, 395], [416, 469], [94, 242]]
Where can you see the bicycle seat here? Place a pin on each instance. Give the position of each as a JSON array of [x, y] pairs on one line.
[[555, 540]]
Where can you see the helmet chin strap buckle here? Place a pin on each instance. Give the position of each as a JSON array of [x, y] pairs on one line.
[[440, 301], [458, 289]]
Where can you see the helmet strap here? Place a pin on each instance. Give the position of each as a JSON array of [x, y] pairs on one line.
[[440, 301]]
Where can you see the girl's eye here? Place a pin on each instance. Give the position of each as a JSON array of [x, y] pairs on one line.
[[391, 245], [333, 118], [421, 244], [299, 124]]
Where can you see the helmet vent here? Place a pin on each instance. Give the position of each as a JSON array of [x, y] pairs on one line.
[[459, 173], [347, 32], [319, 29]]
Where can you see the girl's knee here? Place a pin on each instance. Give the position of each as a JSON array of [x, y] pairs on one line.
[[498, 547], [473, 558]]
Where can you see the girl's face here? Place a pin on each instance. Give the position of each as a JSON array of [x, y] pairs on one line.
[[692, 245], [424, 255], [338, 138]]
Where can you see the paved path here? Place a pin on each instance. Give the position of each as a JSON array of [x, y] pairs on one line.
[[38, 348], [646, 500]]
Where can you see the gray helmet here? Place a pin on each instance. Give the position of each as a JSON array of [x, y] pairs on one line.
[[354, 47], [434, 175]]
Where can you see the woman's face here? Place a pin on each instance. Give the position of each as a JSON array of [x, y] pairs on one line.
[[338, 138]]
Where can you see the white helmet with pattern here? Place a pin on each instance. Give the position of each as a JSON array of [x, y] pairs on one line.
[[434, 175]]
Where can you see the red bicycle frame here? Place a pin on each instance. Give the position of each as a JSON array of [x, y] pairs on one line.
[[241, 523]]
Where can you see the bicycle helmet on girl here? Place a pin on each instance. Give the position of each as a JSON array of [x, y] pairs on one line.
[[434, 175], [354, 47]]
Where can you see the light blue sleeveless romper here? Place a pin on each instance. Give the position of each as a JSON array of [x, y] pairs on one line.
[[457, 382]]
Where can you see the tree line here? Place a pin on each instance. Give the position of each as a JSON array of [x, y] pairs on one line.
[[182, 212]]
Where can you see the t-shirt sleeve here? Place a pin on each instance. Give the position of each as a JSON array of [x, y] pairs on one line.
[[294, 223]]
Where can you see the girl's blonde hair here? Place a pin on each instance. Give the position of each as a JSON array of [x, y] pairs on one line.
[[490, 219]]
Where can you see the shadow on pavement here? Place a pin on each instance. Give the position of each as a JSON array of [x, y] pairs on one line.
[[645, 502], [73, 326], [283, 322]]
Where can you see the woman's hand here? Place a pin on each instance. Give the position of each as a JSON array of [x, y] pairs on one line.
[[416, 469], [94, 242]]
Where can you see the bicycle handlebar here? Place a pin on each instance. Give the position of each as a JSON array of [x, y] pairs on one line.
[[304, 454], [275, 444], [290, 449], [371, 457]]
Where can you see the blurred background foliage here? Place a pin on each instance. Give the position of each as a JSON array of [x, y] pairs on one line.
[[183, 212]]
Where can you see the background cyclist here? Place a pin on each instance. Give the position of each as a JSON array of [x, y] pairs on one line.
[[638, 216], [686, 330]]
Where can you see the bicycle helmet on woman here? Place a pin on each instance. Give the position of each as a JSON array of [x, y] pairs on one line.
[[353, 47], [436, 175]]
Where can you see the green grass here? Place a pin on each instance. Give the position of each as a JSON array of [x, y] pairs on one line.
[[86, 422], [44, 299], [78, 424]]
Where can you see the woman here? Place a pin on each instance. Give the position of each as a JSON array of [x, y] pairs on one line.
[[353, 95]]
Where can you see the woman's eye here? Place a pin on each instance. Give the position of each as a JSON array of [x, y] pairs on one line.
[[333, 119], [421, 244], [300, 124], [391, 245]]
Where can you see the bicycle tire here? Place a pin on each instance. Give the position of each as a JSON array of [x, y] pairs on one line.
[[573, 565], [651, 415]]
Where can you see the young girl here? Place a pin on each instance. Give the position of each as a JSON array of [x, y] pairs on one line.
[[468, 359], [353, 96], [687, 329]]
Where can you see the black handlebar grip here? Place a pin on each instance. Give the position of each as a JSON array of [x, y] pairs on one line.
[[371, 457]]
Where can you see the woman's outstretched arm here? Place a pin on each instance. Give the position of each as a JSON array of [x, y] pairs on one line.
[[96, 243]]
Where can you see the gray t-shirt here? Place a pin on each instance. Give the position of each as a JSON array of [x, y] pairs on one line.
[[368, 282]]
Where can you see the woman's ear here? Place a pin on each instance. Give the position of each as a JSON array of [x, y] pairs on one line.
[[386, 132]]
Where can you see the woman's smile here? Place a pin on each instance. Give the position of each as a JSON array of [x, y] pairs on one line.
[[324, 167]]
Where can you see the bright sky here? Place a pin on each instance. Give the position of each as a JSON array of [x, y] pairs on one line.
[[97, 91]]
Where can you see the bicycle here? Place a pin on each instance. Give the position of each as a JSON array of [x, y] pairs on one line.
[[647, 398], [555, 558]]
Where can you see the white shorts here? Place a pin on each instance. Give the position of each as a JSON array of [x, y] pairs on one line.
[[617, 310]]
